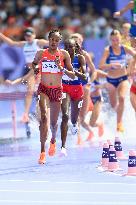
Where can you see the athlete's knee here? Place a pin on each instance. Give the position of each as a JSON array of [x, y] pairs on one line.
[[82, 121], [113, 103], [43, 117], [30, 92], [92, 123], [53, 126], [65, 118], [121, 99]]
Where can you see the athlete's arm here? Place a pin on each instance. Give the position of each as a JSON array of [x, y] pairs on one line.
[[42, 42], [91, 66], [89, 61], [132, 67], [81, 73], [11, 42], [35, 62], [98, 74], [130, 51], [101, 74], [101, 86], [24, 78], [67, 60], [104, 66], [129, 6]]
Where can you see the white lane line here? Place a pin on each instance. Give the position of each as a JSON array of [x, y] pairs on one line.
[[68, 202], [68, 182], [67, 192]]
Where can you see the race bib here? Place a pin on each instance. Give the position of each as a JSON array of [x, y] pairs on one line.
[[80, 104], [49, 66], [64, 96], [122, 62]]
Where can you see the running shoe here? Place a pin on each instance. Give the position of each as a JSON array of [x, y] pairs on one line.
[[52, 149], [74, 129], [101, 130], [63, 152], [120, 127], [42, 158]]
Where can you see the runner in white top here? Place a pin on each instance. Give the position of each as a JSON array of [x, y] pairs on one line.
[[30, 47]]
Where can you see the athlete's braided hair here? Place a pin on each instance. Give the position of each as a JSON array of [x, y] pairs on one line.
[[53, 32]]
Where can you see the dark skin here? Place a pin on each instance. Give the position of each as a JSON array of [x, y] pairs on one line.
[[49, 79], [70, 46]]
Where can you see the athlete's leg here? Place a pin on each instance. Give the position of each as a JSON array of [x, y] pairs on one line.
[[112, 95], [95, 114], [133, 100], [86, 103], [65, 117], [75, 109], [54, 113], [94, 122], [44, 105], [121, 90], [28, 99]]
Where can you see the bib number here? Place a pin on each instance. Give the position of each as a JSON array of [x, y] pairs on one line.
[[80, 104], [49, 66], [63, 96]]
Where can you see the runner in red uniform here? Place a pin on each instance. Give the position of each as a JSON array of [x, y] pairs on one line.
[[52, 68]]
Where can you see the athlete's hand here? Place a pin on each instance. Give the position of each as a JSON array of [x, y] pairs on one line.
[[9, 82], [57, 61], [116, 14], [35, 68]]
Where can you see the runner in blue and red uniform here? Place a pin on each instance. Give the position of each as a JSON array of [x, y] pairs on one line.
[[72, 92]]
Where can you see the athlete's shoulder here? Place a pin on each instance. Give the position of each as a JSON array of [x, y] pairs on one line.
[[80, 56], [40, 52], [107, 48], [85, 53], [64, 52], [22, 43], [42, 42]]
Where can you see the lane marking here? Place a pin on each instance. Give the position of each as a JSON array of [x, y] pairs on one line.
[[68, 202], [68, 182], [67, 192]]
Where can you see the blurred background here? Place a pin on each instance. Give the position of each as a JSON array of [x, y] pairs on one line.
[[92, 18]]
